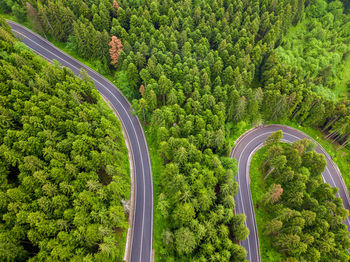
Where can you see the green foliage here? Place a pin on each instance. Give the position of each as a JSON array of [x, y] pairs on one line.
[[63, 163], [19, 12], [123, 84], [195, 69], [230, 49], [6, 6], [296, 223], [319, 45], [264, 220]]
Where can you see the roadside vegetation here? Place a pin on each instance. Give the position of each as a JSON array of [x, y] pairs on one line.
[[299, 218], [340, 155], [258, 188], [199, 74], [64, 182]]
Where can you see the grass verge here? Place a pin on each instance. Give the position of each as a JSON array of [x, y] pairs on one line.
[[235, 130], [157, 168], [258, 188]]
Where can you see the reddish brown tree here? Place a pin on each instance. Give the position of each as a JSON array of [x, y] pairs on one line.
[[116, 47], [142, 90], [273, 195], [115, 5]]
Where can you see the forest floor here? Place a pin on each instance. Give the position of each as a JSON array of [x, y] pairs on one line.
[[344, 84], [234, 131], [258, 189]]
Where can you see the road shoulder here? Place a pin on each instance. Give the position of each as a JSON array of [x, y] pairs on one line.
[[128, 242]]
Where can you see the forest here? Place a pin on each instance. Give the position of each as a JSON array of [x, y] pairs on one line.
[[231, 47], [304, 217], [194, 68], [64, 175], [310, 46]]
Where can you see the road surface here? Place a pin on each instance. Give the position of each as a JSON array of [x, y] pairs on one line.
[[141, 246], [245, 147]]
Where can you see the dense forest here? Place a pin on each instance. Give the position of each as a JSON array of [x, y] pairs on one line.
[[319, 48], [193, 68], [296, 51], [64, 178], [306, 219]]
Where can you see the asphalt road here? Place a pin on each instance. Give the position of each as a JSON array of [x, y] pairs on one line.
[[141, 249], [245, 147]]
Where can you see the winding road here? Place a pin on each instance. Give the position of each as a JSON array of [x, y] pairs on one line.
[[141, 246], [245, 147]]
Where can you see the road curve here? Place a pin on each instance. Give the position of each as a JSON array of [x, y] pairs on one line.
[[141, 248], [245, 147]]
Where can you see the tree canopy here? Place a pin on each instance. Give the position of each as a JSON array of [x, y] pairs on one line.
[[192, 69], [63, 161], [305, 216]]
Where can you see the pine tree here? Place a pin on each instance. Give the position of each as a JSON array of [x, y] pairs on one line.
[[115, 5], [116, 47]]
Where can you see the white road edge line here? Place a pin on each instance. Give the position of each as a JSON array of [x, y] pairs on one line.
[[241, 200], [144, 198], [259, 146]]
